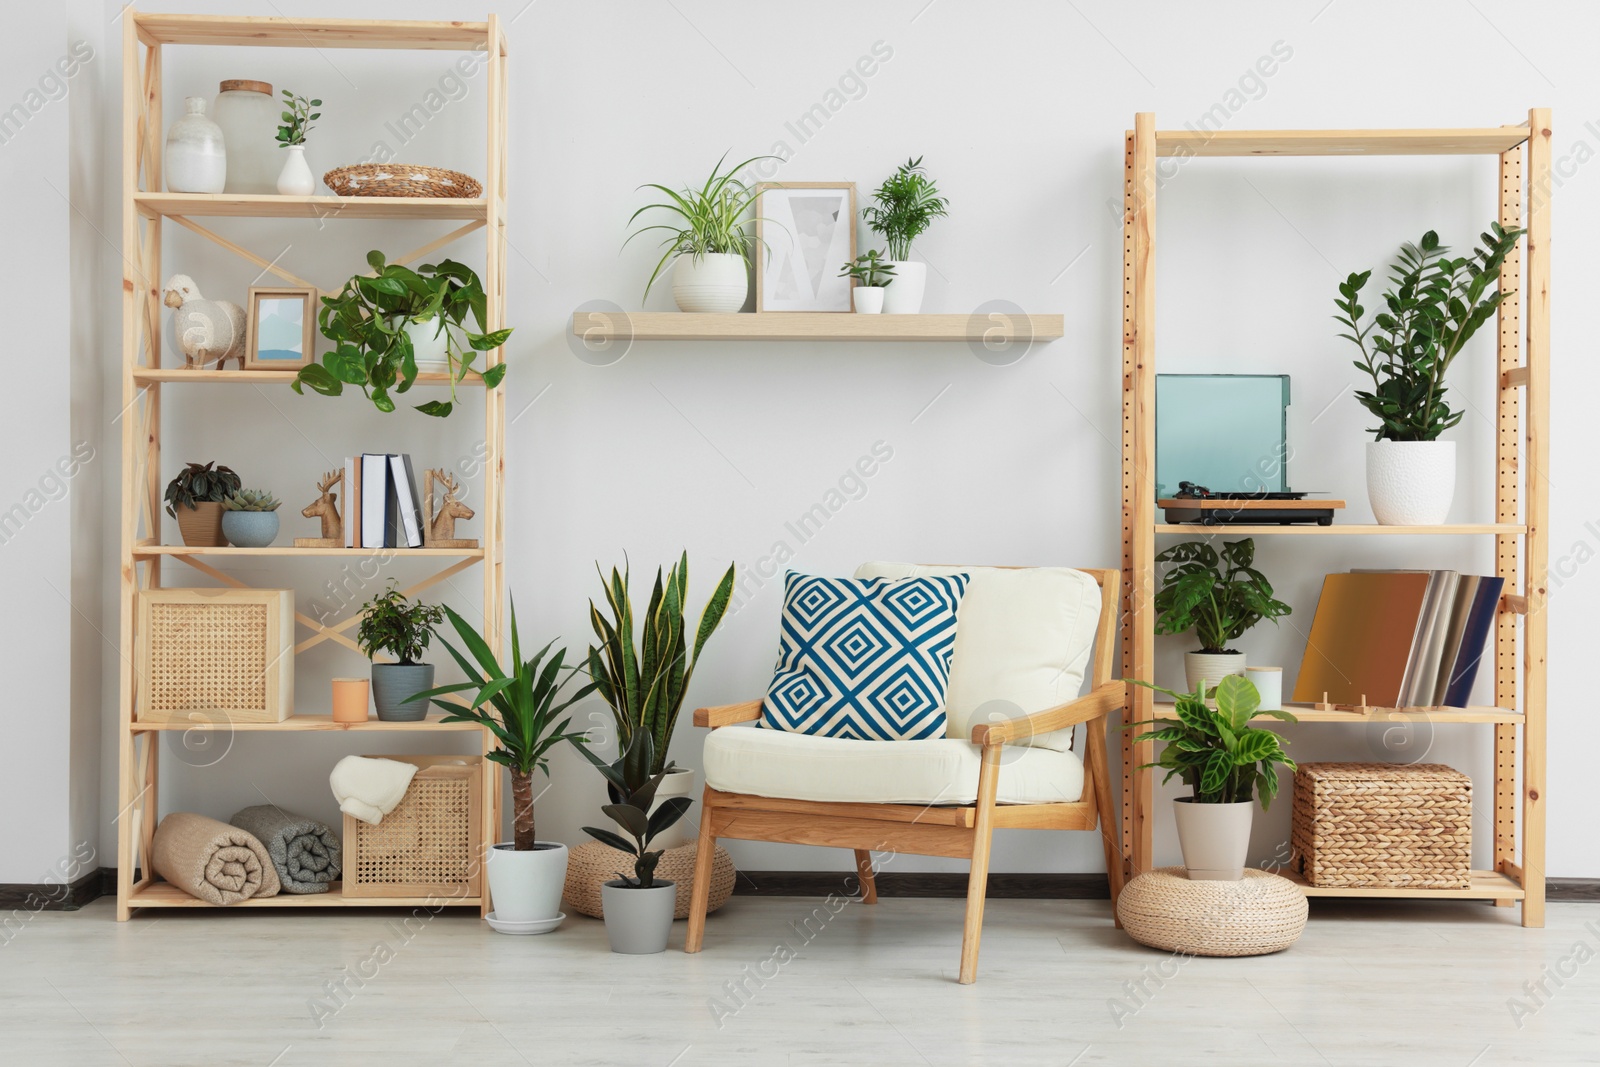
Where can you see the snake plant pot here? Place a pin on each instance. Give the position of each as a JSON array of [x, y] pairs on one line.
[[526, 886], [394, 683], [868, 299], [714, 282], [201, 525], [904, 297], [1215, 838], [638, 921], [1411, 483], [250, 529], [1210, 667]]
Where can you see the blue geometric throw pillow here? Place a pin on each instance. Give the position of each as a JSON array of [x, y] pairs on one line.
[[867, 659]]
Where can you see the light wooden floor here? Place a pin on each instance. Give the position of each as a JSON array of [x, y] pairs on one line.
[[874, 986]]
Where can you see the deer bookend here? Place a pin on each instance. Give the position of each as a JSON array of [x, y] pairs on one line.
[[326, 508], [440, 529]]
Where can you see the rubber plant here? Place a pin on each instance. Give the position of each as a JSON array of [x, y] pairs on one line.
[[645, 683], [1433, 306], [1215, 751], [709, 220], [632, 786], [1217, 595], [367, 320], [522, 704]]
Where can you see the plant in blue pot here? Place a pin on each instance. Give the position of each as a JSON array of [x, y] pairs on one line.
[[250, 518], [402, 628]]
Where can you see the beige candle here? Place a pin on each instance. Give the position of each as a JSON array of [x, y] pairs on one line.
[[350, 699]]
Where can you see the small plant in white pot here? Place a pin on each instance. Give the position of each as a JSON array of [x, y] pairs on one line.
[[708, 241], [638, 910], [872, 275], [1227, 764], [1217, 595], [906, 204], [1433, 307], [402, 628], [526, 710], [296, 178]]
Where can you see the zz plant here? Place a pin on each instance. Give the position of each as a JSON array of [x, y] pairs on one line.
[[1217, 595], [1433, 306], [1215, 751], [906, 204]]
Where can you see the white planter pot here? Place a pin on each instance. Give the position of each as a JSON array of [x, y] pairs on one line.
[[868, 299], [638, 921], [428, 345], [1211, 667], [1215, 838], [717, 282], [675, 784], [296, 179], [1411, 483], [526, 886], [904, 297]]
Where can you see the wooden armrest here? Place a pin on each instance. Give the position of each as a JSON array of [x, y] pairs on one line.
[[728, 714], [1098, 702]]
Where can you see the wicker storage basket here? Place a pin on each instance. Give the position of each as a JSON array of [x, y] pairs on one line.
[[401, 179], [428, 845], [1383, 824], [214, 655]]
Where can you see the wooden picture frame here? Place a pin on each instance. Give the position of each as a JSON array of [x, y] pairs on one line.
[[292, 361], [803, 254]]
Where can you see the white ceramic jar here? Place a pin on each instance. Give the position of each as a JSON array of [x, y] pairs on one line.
[[249, 119], [196, 157]]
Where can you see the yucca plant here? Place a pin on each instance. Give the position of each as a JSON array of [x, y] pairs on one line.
[[1215, 751], [907, 203], [522, 709], [710, 220], [251, 500], [645, 684]]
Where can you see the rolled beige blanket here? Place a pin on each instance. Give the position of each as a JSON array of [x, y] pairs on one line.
[[211, 860]]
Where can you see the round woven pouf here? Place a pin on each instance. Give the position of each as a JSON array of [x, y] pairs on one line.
[[1259, 914], [592, 864]]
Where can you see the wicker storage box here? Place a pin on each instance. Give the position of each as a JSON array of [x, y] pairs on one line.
[[215, 655], [1383, 824], [428, 845]]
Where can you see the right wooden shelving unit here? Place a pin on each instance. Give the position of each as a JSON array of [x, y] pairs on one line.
[[1522, 446]]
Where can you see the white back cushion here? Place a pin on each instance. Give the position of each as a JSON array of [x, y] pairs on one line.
[[1023, 639]]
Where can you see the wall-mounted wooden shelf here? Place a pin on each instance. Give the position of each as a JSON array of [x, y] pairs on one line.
[[813, 326], [1344, 529], [1489, 141], [320, 723], [1307, 713]]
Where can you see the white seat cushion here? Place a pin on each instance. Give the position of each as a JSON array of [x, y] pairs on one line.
[[1023, 640], [776, 763]]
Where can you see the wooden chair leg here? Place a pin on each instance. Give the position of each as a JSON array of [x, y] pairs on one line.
[[700, 898], [978, 879], [1099, 780], [869, 883]]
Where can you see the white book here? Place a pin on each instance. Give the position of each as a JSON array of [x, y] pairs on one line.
[[374, 498], [405, 488]]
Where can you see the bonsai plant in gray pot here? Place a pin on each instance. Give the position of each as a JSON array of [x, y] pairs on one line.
[[391, 623], [638, 910], [1217, 595], [524, 707], [250, 518], [1227, 763], [194, 497]]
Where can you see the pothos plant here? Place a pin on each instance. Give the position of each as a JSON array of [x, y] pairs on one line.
[[367, 323], [1434, 305], [1215, 751], [1217, 595]]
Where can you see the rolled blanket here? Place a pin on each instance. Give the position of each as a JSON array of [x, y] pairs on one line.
[[211, 860], [370, 788], [304, 852]]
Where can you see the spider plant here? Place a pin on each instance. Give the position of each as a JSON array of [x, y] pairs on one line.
[[709, 220]]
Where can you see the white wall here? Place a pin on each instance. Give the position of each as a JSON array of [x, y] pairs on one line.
[[1019, 110]]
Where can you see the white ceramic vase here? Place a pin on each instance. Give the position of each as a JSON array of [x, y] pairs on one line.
[[428, 344], [249, 119], [196, 156], [1215, 838], [676, 784], [1210, 667], [526, 886], [1411, 483], [296, 179], [868, 299], [716, 282], [904, 297]]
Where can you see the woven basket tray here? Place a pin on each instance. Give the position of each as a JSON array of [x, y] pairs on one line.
[[591, 864], [401, 179], [1383, 824]]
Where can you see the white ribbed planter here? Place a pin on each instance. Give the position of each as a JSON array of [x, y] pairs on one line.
[[1210, 666], [904, 297], [717, 282], [1411, 483], [1215, 838]]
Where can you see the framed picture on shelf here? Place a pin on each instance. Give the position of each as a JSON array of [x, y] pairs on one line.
[[809, 230], [280, 328]]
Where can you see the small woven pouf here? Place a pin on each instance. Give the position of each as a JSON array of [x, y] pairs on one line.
[[591, 864], [1262, 913]]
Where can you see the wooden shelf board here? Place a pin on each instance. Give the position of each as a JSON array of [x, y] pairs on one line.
[[1341, 529], [1486, 885], [263, 206], [1307, 713], [1485, 141], [804, 326], [296, 723], [145, 551], [258, 31], [147, 375], [167, 895]]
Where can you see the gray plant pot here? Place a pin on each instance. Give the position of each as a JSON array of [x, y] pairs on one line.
[[392, 683], [638, 921], [250, 529]]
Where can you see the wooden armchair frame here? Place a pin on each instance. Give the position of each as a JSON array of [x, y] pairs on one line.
[[959, 831]]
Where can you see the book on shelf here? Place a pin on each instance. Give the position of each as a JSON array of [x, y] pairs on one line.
[[352, 502], [382, 505], [403, 481], [374, 499]]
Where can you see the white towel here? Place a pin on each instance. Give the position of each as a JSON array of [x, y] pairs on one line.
[[370, 788]]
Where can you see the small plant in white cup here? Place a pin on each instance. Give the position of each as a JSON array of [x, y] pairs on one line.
[[872, 274]]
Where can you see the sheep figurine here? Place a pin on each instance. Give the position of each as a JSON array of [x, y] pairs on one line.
[[207, 332]]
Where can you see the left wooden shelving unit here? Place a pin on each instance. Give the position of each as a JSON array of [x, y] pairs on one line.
[[145, 209]]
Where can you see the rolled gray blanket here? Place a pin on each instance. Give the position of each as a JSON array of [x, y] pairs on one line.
[[304, 852], [211, 860]]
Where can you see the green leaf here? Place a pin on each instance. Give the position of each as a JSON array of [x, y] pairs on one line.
[[1237, 700], [492, 376], [437, 408], [607, 837], [488, 342], [1218, 767]]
